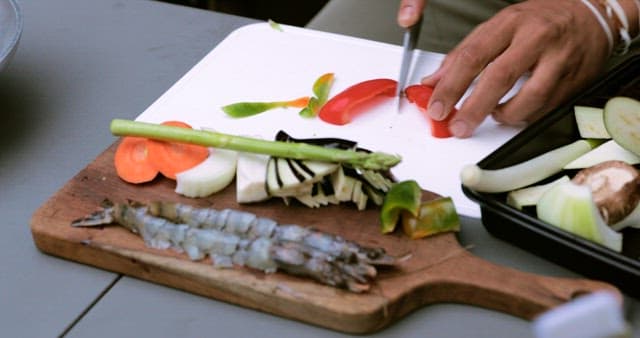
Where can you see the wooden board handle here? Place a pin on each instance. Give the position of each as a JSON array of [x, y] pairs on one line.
[[472, 280]]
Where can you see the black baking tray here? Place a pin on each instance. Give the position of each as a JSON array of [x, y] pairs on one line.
[[524, 230]]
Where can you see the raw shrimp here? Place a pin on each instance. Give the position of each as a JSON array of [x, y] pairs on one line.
[[243, 239], [246, 224]]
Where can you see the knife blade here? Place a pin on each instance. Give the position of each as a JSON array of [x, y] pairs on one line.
[[409, 41]]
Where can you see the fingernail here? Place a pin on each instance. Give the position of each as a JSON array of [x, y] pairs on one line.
[[459, 128], [436, 110], [406, 13]]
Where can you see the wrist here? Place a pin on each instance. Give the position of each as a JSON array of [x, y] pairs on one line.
[[597, 14], [623, 19]]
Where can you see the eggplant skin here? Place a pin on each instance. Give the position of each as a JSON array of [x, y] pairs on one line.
[[615, 186]]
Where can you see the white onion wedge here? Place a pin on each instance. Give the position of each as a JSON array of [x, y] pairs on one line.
[[212, 175], [570, 206]]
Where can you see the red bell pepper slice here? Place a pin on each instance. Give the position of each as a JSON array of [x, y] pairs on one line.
[[419, 95], [341, 108]]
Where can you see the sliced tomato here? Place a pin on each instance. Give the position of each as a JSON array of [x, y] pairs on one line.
[[419, 95], [341, 108]]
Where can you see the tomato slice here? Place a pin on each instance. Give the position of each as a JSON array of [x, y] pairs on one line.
[[344, 106], [419, 95]]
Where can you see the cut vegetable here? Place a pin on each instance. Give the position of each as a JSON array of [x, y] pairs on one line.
[[403, 196], [302, 151], [246, 109], [315, 183], [321, 89], [251, 185], [529, 196], [274, 25], [615, 187], [321, 194], [341, 108], [131, 161], [343, 185], [590, 122], [525, 173], [290, 177], [608, 151], [632, 220], [433, 217], [419, 95], [171, 158], [570, 206], [622, 120], [212, 175]]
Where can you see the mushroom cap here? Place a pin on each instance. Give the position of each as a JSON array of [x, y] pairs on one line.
[[615, 186]]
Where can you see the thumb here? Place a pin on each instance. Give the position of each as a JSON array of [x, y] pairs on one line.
[[409, 12]]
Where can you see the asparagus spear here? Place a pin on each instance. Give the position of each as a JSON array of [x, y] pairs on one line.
[[301, 151]]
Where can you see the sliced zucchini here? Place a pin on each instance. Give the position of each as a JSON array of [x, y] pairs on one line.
[[590, 122], [622, 120], [608, 151], [529, 196]]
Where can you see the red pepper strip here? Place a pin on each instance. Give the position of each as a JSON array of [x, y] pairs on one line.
[[341, 108], [420, 95]]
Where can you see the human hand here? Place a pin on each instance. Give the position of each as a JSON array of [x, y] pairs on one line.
[[559, 42], [409, 12]]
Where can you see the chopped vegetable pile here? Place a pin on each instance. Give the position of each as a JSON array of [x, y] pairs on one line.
[[597, 201], [315, 172]]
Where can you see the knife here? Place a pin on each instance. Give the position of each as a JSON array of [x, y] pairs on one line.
[[409, 41]]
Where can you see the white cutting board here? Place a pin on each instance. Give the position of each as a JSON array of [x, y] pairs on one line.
[[259, 63]]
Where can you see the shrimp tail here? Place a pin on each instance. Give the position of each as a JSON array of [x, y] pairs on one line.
[[104, 216], [124, 214], [298, 259]]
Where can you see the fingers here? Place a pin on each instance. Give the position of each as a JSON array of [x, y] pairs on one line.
[[409, 12], [551, 82], [531, 101], [545, 37], [465, 63], [496, 80]]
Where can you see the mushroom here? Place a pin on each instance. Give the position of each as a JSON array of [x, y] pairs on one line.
[[615, 186]]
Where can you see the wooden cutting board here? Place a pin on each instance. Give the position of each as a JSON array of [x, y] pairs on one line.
[[439, 269]]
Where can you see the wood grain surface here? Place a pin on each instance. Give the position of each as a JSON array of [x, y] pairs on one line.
[[438, 270]]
